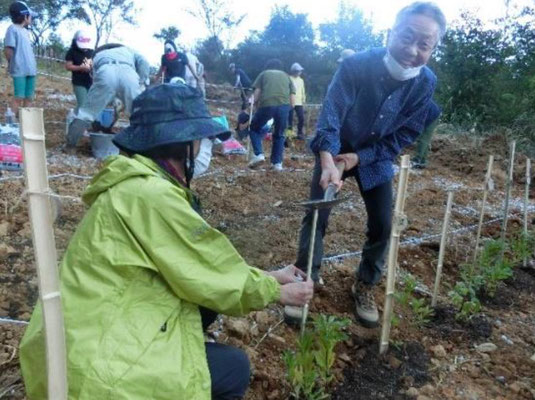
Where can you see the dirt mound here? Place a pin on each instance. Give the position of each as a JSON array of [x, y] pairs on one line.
[[384, 377]]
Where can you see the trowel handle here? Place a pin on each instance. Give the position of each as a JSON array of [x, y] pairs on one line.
[[330, 192]]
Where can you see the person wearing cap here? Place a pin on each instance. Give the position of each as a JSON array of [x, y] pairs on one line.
[[19, 55], [174, 64], [144, 274], [300, 99], [346, 53], [118, 72], [376, 105], [419, 161], [274, 95], [242, 82], [78, 60]]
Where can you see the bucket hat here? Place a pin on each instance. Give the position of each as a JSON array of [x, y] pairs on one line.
[[168, 114]]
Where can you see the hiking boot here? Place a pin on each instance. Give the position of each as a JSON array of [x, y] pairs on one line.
[[293, 315], [366, 309], [277, 167], [256, 160]]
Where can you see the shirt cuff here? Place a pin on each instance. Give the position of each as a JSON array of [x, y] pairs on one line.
[[324, 144], [366, 156]]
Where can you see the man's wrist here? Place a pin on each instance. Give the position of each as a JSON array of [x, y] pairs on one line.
[[326, 159]]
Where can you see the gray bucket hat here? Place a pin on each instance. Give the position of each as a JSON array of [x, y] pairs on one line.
[[168, 114]]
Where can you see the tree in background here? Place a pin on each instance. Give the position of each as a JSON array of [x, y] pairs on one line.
[[468, 62], [220, 22], [288, 36], [170, 33], [105, 15], [350, 30], [51, 14], [218, 18]]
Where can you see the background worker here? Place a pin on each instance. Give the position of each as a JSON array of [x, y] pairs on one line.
[[274, 95], [19, 55], [144, 273], [423, 143], [375, 106], [118, 71], [198, 82], [300, 99], [174, 64], [78, 60], [242, 82]]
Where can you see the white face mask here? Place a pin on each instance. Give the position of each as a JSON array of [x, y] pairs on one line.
[[202, 161], [397, 71]]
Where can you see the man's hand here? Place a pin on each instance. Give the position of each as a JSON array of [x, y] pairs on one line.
[[351, 160], [288, 274], [297, 294], [329, 172]]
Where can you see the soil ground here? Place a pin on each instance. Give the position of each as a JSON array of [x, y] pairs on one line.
[[257, 211]]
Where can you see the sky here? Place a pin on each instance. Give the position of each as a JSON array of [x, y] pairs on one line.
[[155, 14]]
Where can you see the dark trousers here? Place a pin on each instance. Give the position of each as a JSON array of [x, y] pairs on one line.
[[245, 93], [280, 121], [378, 203], [299, 110], [229, 367]]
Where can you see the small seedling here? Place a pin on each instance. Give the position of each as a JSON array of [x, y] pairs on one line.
[[329, 332], [404, 296], [522, 247], [422, 312], [464, 293], [309, 368], [302, 373], [406, 299], [494, 268]]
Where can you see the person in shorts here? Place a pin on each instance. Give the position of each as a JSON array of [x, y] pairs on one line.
[[19, 55]]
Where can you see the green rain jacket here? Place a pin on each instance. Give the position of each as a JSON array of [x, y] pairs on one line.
[[133, 275]]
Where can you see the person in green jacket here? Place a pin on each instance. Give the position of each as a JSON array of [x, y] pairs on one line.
[[144, 273]]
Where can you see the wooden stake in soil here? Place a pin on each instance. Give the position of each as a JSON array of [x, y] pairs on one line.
[[400, 222], [508, 187], [33, 142], [309, 266], [486, 188], [443, 242], [526, 201]]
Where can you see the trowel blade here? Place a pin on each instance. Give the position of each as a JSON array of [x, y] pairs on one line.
[[319, 204]]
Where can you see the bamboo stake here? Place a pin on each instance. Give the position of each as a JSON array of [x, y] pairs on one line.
[[486, 189], [33, 141], [443, 242], [526, 201], [309, 266], [397, 228], [508, 187]]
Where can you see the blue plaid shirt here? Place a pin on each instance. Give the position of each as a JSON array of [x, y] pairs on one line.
[[369, 113]]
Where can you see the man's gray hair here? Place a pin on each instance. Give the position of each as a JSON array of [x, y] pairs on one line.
[[423, 8]]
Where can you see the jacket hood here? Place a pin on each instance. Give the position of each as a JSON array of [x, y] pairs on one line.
[[116, 170]]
